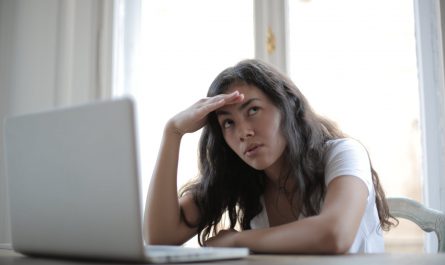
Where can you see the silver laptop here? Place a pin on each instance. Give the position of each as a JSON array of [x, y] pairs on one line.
[[74, 187]]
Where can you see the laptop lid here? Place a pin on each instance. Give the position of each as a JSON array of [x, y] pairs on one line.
[[73, 182]]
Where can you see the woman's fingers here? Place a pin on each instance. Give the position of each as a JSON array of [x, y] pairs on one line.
[[193, 118], [214, 103]]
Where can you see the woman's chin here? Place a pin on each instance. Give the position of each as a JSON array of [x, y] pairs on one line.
[[258, 166]]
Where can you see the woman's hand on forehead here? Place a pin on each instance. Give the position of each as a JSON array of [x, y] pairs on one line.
[[194, 117], [234, 97]]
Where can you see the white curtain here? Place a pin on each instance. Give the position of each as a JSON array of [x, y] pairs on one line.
[[52, 53]]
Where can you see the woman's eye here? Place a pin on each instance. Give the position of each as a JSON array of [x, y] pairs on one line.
[[227, 123], [253, 110]]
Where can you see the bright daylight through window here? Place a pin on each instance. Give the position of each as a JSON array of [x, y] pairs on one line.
[[356, 63]]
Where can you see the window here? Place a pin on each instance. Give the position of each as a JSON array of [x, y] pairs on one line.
[[356, 63], [354, 60]]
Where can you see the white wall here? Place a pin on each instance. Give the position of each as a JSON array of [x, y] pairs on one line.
[[52, 53]]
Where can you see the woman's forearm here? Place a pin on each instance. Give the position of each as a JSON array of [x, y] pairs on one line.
[[162, 214], [162, 221], [309, 235], [331, 232]]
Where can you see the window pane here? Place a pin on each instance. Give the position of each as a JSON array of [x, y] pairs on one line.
[[182, 46], [356, 63]]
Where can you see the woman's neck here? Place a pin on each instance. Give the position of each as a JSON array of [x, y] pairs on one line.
[[276, 179], [280, 185], [274, 171]]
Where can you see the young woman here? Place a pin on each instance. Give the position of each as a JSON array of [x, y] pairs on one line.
[[288, 179]]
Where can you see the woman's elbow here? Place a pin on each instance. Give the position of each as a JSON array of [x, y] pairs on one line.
[[151, 237], [337, 247], [337, 241]]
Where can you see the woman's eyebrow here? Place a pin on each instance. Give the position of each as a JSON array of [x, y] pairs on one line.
[[247, 103], [240, 108]]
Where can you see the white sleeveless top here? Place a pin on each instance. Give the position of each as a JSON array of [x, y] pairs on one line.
[[348, 157]]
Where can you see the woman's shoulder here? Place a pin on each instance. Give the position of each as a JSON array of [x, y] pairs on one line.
[[344, 146], [346, 156], [342, 143]]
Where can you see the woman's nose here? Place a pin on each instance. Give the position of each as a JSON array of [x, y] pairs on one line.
[[246, 132]]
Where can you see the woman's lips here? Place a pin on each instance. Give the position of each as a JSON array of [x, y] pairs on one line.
[[252, 149]]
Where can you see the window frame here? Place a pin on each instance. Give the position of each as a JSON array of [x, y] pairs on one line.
[[429, 18]]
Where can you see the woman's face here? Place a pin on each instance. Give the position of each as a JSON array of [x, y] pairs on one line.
[[252, 129]]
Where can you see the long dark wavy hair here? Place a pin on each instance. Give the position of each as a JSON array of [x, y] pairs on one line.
[[228, 185]]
